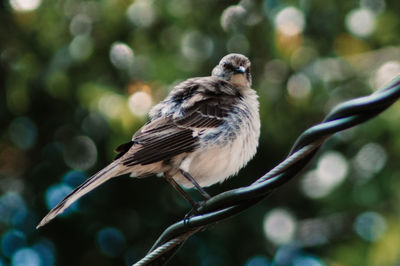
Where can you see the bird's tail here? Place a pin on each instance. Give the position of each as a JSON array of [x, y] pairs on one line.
[[91, 183]]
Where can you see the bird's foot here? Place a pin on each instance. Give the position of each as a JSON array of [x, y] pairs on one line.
[[193, 212]]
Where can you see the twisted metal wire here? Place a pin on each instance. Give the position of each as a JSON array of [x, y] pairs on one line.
[[167, 246], [230, 203]]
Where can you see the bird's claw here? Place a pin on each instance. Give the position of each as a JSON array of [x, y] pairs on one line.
[[193, 212]]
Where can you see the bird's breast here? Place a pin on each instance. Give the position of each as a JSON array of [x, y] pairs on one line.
[[226, 149]]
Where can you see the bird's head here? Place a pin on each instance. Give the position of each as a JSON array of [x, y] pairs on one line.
[[234, 68]]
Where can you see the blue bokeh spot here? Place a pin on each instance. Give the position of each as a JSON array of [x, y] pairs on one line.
[[258, 261], [307, 260], [26, 257], [23, 133], [111, 241], [11, 204], [11, 241], [45, 248], [73, 178]]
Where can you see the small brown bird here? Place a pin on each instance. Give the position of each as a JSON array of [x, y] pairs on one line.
[[206, 130]]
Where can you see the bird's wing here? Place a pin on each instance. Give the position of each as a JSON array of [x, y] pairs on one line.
[[165, 137], [159, 141]]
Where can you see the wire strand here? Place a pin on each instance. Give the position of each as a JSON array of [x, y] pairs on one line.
[[164, 248]]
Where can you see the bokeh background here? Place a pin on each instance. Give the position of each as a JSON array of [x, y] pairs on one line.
[[78, 77]]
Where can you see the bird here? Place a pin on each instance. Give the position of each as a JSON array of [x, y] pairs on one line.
[[203, 132]]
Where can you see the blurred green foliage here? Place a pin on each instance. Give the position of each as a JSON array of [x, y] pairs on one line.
[[77, 78]]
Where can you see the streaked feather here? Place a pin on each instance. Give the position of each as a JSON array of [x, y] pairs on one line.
[[94, 181]]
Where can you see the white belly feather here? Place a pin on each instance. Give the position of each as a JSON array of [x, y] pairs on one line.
[[212, 164]]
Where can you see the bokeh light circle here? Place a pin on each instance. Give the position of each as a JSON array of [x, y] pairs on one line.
[[80, 24], [197, 46], [121, 55], [331, 171], [25, 5], [371, 158], [279, 226], [11, 241], [26, 257], [299, 86], [232, 18], [23, 132], [370, 226], [80, 153], [141, 13], [81, 47], [290, 21], [360, 22], [111, 241], [140, 103], [258, 261], [385, 73]]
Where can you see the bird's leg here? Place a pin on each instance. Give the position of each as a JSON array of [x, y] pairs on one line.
[[205, 195], [181, 191]]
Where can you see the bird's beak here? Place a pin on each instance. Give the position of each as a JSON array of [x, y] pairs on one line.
[[240, 69]]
